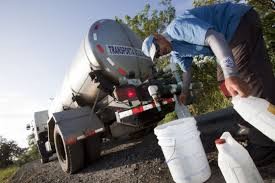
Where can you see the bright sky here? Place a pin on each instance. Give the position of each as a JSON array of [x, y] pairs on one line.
[[38, 40]]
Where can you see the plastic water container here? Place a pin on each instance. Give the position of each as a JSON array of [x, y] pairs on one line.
[[258, 112], [181, 110], [183, 151], [234, 161]]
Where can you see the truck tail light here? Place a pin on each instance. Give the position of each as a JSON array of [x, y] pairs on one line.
[[126, 93]]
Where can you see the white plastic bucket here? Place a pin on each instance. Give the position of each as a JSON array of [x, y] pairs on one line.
[[173, 128], [183, 151]]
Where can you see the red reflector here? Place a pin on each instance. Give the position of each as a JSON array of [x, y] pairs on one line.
[[96, 26], [100, 48], [122, 72], [90, 133], [126, 93], [71, 140], [137, 110], [169, 100], [131, 93]]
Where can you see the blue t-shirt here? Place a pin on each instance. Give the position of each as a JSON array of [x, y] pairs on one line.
[[187, 31]]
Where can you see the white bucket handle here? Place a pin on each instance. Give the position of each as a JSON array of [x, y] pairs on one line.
[[171, 144], [170, 159]]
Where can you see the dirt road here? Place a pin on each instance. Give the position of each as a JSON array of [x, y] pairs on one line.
[[132, 161]]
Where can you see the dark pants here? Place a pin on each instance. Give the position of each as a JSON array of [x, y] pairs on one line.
[[254, 67]]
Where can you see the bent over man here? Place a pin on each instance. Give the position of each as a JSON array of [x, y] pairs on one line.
[[231, 32]]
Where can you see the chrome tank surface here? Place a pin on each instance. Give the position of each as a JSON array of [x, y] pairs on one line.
[[109, 47]]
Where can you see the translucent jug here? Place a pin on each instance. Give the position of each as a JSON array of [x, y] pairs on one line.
[[258, 112], [234, 161], [181, 110]]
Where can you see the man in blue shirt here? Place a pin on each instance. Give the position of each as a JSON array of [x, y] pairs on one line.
[[231, 32]]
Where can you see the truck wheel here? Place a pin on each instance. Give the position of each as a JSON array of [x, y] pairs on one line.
[[42, 151], [44, 154], [92, 148], [70, 157], [44, 160]]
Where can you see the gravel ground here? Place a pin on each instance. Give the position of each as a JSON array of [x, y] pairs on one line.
[[134, 161]]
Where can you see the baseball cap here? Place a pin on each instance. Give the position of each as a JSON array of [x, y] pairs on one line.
[[148, 47]]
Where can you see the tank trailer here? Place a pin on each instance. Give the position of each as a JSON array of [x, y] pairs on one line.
[[111, 90]]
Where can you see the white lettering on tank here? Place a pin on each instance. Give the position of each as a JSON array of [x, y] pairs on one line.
[[124, 51]]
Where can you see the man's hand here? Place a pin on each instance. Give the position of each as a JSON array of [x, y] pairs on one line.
[[236, 86], [182, 98]]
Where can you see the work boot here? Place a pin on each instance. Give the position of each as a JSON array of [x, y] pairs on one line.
[[261, 155]]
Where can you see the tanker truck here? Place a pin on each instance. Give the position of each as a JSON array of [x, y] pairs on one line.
[[111, 90]]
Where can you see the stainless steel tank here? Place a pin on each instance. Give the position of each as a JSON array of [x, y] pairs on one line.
[[110, 47]]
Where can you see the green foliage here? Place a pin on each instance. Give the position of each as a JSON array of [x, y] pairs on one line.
[[29, 154], [162, 63], [266, 10], [209, 98], [9, 151], [11, 154], [168, 117], [6, 173], [197, 3], [148, 21]]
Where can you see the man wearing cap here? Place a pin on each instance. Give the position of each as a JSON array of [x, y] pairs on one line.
[[231, 32]]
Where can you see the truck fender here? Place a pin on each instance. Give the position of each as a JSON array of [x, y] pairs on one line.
[[75, 124]]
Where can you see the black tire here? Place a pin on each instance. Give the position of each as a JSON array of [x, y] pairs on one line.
[[44, 160], [92, 148], [70, 157], [44, 155]]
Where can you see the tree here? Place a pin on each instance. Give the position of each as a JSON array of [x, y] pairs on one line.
[[262, 4], [9, 151], [197, 3], [266, 10], [148, 21], [31, 153], [32, 150]]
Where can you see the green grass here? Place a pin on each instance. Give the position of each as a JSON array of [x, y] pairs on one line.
[[6, 173], [168, 117]]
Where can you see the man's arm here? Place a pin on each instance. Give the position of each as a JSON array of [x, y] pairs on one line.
[[186, 79], [225, 59], [222, 51]]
